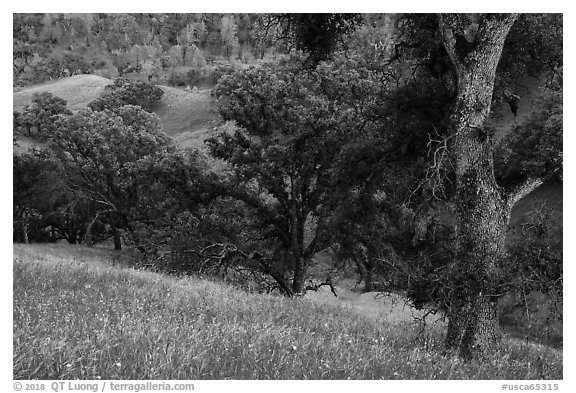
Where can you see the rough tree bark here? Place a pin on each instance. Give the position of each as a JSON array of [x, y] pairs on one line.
[[299, 276], [474, 44], [296, 251]]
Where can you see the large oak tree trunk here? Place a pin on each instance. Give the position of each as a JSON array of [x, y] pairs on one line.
[[296, 249], [299, 277], [474, 47]]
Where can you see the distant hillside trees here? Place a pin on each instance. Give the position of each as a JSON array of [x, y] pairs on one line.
[[117, 32], [36, 35], [131, 43], [229, 31], [26, 28], [189, 39]]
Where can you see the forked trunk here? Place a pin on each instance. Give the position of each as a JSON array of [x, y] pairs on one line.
[[482, 213]]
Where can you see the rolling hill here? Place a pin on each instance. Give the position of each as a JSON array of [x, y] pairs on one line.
[[77, 90], [185, 115]]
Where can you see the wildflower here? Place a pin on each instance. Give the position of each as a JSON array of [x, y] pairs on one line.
[[118, 364], [68, 365]]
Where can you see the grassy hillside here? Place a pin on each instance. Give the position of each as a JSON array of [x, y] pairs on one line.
[[78, 314], [77, 90], [185, 115]]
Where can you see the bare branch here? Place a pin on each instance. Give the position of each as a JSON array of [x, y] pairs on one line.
[[521, 191], [316, 286]]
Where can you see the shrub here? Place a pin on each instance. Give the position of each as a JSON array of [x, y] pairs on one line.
[[219, 71], [98, 64], [127, 92]]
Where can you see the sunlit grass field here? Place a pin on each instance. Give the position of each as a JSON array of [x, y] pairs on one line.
[[80, 314]]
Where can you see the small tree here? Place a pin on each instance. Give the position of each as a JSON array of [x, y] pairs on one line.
[[189, 39], [152, 69], [39, 118], [127, 92]]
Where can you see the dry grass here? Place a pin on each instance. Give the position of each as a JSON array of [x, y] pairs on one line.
[[79, 315]]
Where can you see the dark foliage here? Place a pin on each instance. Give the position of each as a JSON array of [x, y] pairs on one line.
[[127, 92], [534, 149], [318, 34]]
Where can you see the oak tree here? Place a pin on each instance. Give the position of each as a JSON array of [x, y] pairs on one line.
[[100, 152], [291, 128]]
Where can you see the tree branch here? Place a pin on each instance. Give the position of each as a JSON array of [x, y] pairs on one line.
[[314, 287], [522, 190]]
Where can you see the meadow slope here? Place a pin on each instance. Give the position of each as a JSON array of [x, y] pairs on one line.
[[79, 313], [186, 116]]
